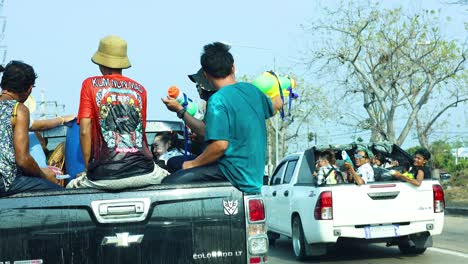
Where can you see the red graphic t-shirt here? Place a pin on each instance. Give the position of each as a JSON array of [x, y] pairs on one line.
[[117, 107]]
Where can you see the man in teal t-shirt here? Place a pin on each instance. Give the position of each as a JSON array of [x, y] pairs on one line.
[[235, 128]]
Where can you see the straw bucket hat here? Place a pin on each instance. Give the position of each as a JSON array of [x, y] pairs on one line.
[[112, 53]]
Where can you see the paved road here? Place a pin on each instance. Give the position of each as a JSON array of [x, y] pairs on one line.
[[451, 247]]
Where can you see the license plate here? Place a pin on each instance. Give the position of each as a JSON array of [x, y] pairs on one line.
[[381, 231]]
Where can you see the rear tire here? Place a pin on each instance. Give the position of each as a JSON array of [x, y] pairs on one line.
[[407, 250], [298, 241]]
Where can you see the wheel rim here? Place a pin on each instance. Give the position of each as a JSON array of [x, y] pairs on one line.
[[295, 238]]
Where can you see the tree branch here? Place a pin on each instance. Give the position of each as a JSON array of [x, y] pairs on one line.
[[431, 123]]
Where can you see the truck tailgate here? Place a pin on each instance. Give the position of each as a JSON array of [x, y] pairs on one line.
[[379, 203], [160, 224]]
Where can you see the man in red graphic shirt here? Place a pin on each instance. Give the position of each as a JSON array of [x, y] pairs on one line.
[[112, 119]]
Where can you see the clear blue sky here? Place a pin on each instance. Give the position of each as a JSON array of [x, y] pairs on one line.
[[165, 39]]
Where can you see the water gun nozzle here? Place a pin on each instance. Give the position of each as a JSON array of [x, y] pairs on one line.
[[173, 92]]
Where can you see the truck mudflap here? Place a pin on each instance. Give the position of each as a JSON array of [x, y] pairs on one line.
[[194, 224]]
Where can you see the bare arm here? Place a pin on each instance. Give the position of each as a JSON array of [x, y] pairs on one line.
[[85, 139], [277, 103], [38, 125], [353, 176], [197, 126], [24, 160], [212, 153], [416, 182]]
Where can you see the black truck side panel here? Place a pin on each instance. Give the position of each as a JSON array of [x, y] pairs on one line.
[[188, 224]]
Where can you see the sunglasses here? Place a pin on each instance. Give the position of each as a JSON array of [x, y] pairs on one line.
[[359, 156], [199, 86]]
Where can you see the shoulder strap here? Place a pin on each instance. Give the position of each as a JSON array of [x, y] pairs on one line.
[[329, 171], [333, 168], [14, 114]]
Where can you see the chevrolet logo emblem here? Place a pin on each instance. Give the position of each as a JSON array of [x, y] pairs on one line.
[[122, 240]]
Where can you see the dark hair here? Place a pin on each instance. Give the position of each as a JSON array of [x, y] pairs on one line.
[[424, 153], [171, 137], [380, 157], [17, 76], [216, 60], [329, 155], [406, 165]]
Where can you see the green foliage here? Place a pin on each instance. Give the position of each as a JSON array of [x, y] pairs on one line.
[[441, 155], [442, 158], [459, 178], [412, 150]]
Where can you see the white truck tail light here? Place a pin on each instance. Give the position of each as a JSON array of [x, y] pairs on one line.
[[256, 210], [324, 206], [439, 198]]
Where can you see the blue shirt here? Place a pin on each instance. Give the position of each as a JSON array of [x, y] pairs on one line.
[[36, 151], [237, 113]]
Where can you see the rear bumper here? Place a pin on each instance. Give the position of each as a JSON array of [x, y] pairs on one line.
[[325, 232]]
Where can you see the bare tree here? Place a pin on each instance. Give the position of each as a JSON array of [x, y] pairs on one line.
[[297, 127], [399, 64]]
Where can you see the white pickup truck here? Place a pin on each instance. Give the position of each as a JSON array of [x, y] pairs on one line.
[[385, 211]]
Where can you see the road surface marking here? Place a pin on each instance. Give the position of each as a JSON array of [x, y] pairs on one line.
[[450, 252]]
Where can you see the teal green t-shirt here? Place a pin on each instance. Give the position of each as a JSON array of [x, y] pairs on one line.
[[236, 113]]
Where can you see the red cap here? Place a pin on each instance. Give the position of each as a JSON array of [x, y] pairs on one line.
[[173, 91]]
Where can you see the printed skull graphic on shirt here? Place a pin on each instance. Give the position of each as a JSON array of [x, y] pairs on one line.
[[120, 119]]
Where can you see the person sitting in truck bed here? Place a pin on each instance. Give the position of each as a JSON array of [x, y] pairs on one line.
[[420, 170], [19, 172], [381, 161], [197, 127], [167, 151], [327, 171], [235, 128], [364, 173], [112, 117], [37, 144]]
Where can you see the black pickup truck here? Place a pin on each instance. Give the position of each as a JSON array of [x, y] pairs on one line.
[[193, 223]]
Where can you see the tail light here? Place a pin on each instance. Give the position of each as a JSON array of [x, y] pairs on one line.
[[255, 260], [256, 210], [257, 240], [324, 206], [439, 199]]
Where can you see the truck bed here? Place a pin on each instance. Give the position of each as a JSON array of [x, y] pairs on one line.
[[156, 224]]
